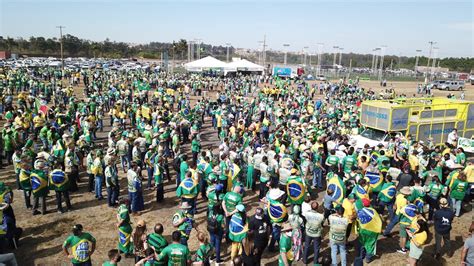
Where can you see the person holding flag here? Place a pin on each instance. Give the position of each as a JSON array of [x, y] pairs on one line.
[[125, 244], [386, 197], [295, 189], [59, 182], [39, 186], [188, 191], [238, 228], [369, 226]]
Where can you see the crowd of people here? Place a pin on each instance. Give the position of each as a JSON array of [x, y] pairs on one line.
[[281, 144]]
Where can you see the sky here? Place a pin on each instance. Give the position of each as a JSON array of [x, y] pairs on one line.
[[403, 26]]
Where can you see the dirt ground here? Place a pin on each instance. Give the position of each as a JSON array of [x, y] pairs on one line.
[[44, 234]]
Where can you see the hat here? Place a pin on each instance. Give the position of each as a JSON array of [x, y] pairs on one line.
[[366, 202], [141, 223], [110, 151], [240, 207], [185, 205], [259, 214], [275, 194], [405, 190], [443, 202], [77, 227], [351, 196]]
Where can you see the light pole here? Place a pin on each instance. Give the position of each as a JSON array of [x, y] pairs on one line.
[[227, 44], [374, 70], [429, 58], [435, 56], [61, 44], [320, 50], [381, 61], [416, 62], [286, 45], [340, 55], [305, 54], [335, 54]]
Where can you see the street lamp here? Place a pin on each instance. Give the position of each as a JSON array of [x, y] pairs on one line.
[[429, 58], [320, 51], [286, 45]]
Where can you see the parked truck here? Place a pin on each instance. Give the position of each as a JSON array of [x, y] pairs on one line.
[[421, 118]]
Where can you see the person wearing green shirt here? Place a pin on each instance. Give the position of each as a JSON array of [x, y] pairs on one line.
[[177, 254], [195, 148], [332, 161], [183, 169], [458, 191], [156, 241], [158, 171], [114, 258], [318, 168], [204, 252], [286, 253], [460, 157], [347, 162], [82, 245], [386, 196], [433, 193]]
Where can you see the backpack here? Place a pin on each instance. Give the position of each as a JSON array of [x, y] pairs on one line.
[[212, 224]]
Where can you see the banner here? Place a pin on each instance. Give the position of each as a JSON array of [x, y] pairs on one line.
[[466, 144]]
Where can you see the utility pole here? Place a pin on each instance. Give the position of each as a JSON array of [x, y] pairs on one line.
[[61, 43], [260, 52], [305, 54], [374, 70], [189, 51], [263, 53], [340, 55], [335, 55], [320, 50], [435, 56], [227, 44], [373, 58], [429, 58], [381, 61], [416, 62], [286, 45]]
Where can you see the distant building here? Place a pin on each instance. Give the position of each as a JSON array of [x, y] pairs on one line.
[[5, 54]]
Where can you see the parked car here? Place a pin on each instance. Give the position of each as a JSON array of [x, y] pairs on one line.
[[471, 78], [452, 85], [321, 78], [436, 84]]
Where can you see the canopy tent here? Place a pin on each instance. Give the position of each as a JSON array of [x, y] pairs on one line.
[[243, 65], [206, 63]]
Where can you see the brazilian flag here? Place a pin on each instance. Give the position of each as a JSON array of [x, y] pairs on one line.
[[375, 181], [187, 188], [39, 183], [277, 211], [360, 192], [408, 213], [369, 220], [81, 250], [237, 228], [389, 192], [25, 181], [186, 113], [58, 180], [296, 190], [336, 185]]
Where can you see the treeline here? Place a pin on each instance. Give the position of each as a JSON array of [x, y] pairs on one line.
[[178, 50], [76, 47]]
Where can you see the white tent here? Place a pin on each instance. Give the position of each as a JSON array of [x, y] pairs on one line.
[[243, 65], [205, 63]]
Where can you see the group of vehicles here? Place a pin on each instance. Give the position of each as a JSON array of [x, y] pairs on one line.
[[77, 64], [448, 85]]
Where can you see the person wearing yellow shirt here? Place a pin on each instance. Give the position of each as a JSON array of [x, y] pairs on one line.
[[38, 122], [469, 171], [414, 162], [349, 212], [400, 202], [418, 233]]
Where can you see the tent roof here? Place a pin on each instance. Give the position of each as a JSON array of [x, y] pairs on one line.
[[243, 63], [206, 62]]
